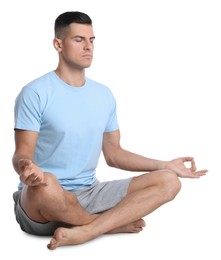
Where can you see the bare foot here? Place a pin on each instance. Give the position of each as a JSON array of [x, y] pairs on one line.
[[77, 235], [67, 236], [134, 227]]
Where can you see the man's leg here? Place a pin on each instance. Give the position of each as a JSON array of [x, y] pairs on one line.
[[146, 193], [53, 203]]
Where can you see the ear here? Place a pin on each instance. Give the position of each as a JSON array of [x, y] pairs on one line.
[[57, 44]]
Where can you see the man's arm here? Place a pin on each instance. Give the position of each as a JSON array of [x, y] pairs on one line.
[[25, 142], [23, 158], [116, 156]]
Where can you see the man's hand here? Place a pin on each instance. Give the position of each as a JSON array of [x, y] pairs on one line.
[[179, 167], [30, 173]]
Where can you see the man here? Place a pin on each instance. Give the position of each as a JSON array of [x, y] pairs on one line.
[[63, 120]]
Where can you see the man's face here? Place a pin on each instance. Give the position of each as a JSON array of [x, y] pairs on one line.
[[76, 48]]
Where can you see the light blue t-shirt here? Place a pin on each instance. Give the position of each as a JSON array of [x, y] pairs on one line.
[[70, 122]]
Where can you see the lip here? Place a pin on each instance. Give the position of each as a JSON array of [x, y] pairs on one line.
[[87, 55]]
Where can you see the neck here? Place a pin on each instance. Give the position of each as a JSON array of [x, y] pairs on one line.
[[75, 78]]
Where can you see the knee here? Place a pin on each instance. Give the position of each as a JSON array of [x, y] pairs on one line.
[[50, 178], [35, 192], [170, 185], [46, 195]]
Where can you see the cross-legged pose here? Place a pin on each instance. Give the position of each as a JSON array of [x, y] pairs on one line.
[[63, 121]]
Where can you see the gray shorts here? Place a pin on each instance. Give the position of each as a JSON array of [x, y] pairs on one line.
[[97, 198]]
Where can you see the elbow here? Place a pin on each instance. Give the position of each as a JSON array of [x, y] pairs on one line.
[[109, 161], [112, 155]]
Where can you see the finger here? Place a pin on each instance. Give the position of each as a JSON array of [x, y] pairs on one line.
[[201, 172], [35, 180], [193, 166], [32, 178], [24, 163], [187, 159], [198, 174]]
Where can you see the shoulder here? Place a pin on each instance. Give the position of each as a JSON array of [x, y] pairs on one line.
[[36, 91], [99, 87], [40, 82], [40, 88]]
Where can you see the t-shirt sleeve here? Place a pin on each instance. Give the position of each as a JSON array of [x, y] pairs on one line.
[[112, 123], [27, 114]]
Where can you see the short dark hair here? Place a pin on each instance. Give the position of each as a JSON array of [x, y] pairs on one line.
[[63, 21]]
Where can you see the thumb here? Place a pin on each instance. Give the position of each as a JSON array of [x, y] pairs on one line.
[[23, 163]]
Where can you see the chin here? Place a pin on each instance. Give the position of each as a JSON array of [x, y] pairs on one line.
[[86, 65]]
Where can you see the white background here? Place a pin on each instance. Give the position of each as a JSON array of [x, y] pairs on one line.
[[162, 60]]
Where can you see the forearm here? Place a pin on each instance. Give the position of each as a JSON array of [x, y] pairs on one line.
[[129, 161]]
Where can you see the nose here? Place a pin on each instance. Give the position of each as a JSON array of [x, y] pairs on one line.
[[88, 45]]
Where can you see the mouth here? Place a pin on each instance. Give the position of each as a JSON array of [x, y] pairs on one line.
[[87, 56]]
